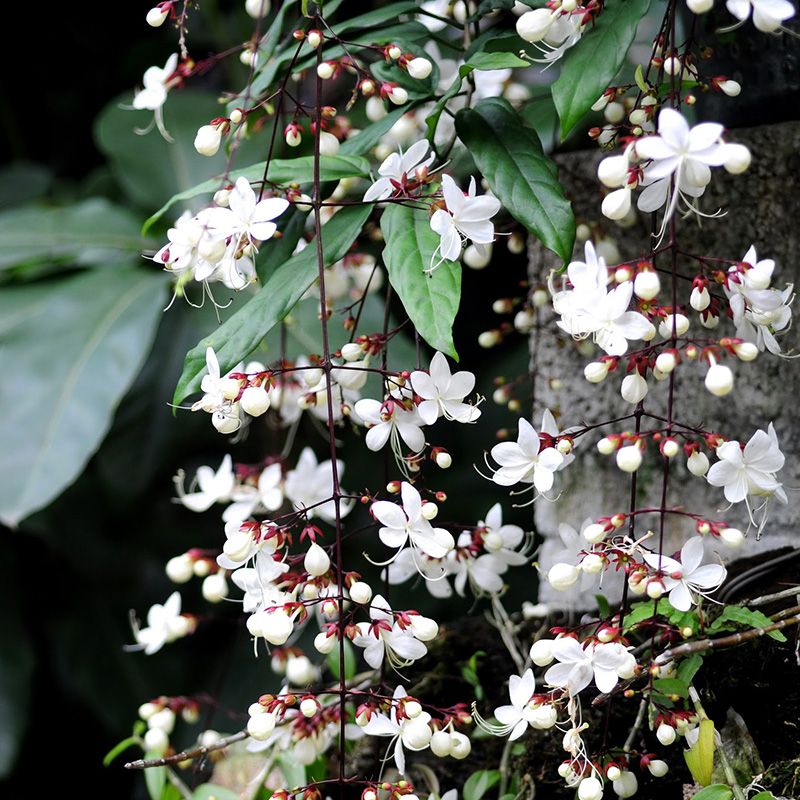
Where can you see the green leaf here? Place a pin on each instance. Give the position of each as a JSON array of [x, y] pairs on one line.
[[496, 51], [639, 613], [588, 68], [210, 791], [363, 142], [282, 171], [763, 796], [748, 617], [719, 791], [700, 757], [430, 299], [520, 175], [241, 333], [155, 779], [349, 661], [603, 607], [670, 686], [125, 744], [60, 399], [479, 783], [432, 120], [94, 232], [688, 668]]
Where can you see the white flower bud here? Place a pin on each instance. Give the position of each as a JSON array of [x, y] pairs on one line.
[[665, 734], [719, 379], [163, 720], [681, 325], [361, 592], [709, 321], [614, 113], [215, 587], [316, 562], [524, 320], [541, 652], [352, 351], [249, 58], [613, 171], [699, 6], [443, 460], [596, 371], [590, 789], [732, 537], [634, 388], [441, 744], [429, 511], [543, 717], [255, 400], [592, 564], [375, 108], [276, 627], [666, 362], [328, 144], [257, 8], [180, 569], [658, 768], [146, 710], [746, 351], [613, 773], [697, 464], [475, 259], [594, 533], [324, 644], [413, 708], [308, 707], [670, 448], [606, 446], [627, 667], [300, 671], [156, 16], [699, 299], [260, 726], [424, 628], [655, 589], [226, 420], [646, 285], [533, 26], [416, 734], [563, 576], [730, 88], [207, 140], [616, 205], [626, 785], [460, 745], [419, 68], [237, 545], [629, 458], [156, 742], [398, 96], [637, 117], [326, 70], [737, 158]]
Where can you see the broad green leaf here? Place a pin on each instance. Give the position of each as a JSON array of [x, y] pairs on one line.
[[94, 232], [68, 352], [155, 779], [670, 686], [476, 786], [210, 791], [700, 757], [520, 175], [389, 13], [763, 796], [430, 299], [639, 613], [273, 253], [432, 120], [751, 618], [588, 68], [719, 791], [496, 51], [687, 669], [363, 142], [281, 170], [241, 333]]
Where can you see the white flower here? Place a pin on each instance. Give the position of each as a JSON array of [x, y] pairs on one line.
[[396, 171], [215, 487], [526, 461], [767, 14], [164, 624], [580, 664], [403, 523], [515, 718], [390, 422], [310, 486], [443, 393], [749, 471], [157, 84], [467, 217], [681, 580], [244, 217], [385, 638]]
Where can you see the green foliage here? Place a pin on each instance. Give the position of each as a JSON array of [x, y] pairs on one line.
[[521, 176], [476, 786], [210, 791], [349, 661], [70, 393], [588, 69], [732, 616], [469, 672], [241, 334], [700, 757], [430, 299], [719, 791]]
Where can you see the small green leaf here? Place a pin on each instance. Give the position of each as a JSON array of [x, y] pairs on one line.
[[763, 796], [71, 348], [155, 779], [210, 791], [688, 668], [639, 78], [700, 757], [496, 51], [430, 299], [479, 783], [639, 613], [282, 171], [125, 744], [719, 791], [670, 686], [603, 608], [520, 175], [750, 618], [241, 334], [588, 68]]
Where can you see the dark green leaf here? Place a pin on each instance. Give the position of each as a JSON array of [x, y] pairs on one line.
[[273, 253], [639, 613], [240, 334], [718, 791], [430, 299], [432, 120], [588, 68], [496, 51], [603, 607], [520, 175], [363, 142], [60, 399], [282, 171], [748, 617], [349, 661], [94, 232], [688, 668], [670, 686]]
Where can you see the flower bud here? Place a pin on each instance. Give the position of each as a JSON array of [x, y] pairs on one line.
[[629, 458], [327, 69], [328, 144], [596, 371], [215, 587], [626, 785], [207, 140], [646, 285], [613, 171], [260, 726], [592, 564], [419, 68], [315, 39], [460, 745], [614, 113], [180, 569], [429, 511], [398, 95], [590, 789], [730, 88], [669, 448], [562, 576], [533, 26], [606, 446], [300, 671], [475, 259], [665, 734], [424, 628], [441, 744], [156, 742], [745, 351], [666, 362], [634, 388], [680, 323], [226, 420], [697, 464], [276, 627], [417, 734], [541, 652], [737, 158], [594, 533], [617, 204], [255, 400], [719, 379], [257, 8], [361, 592], [699, 6], [323, 643], [732, 537], [543, 717], [657, 767], [309, 707], [699, 299], [156, 16], [316, 561]]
